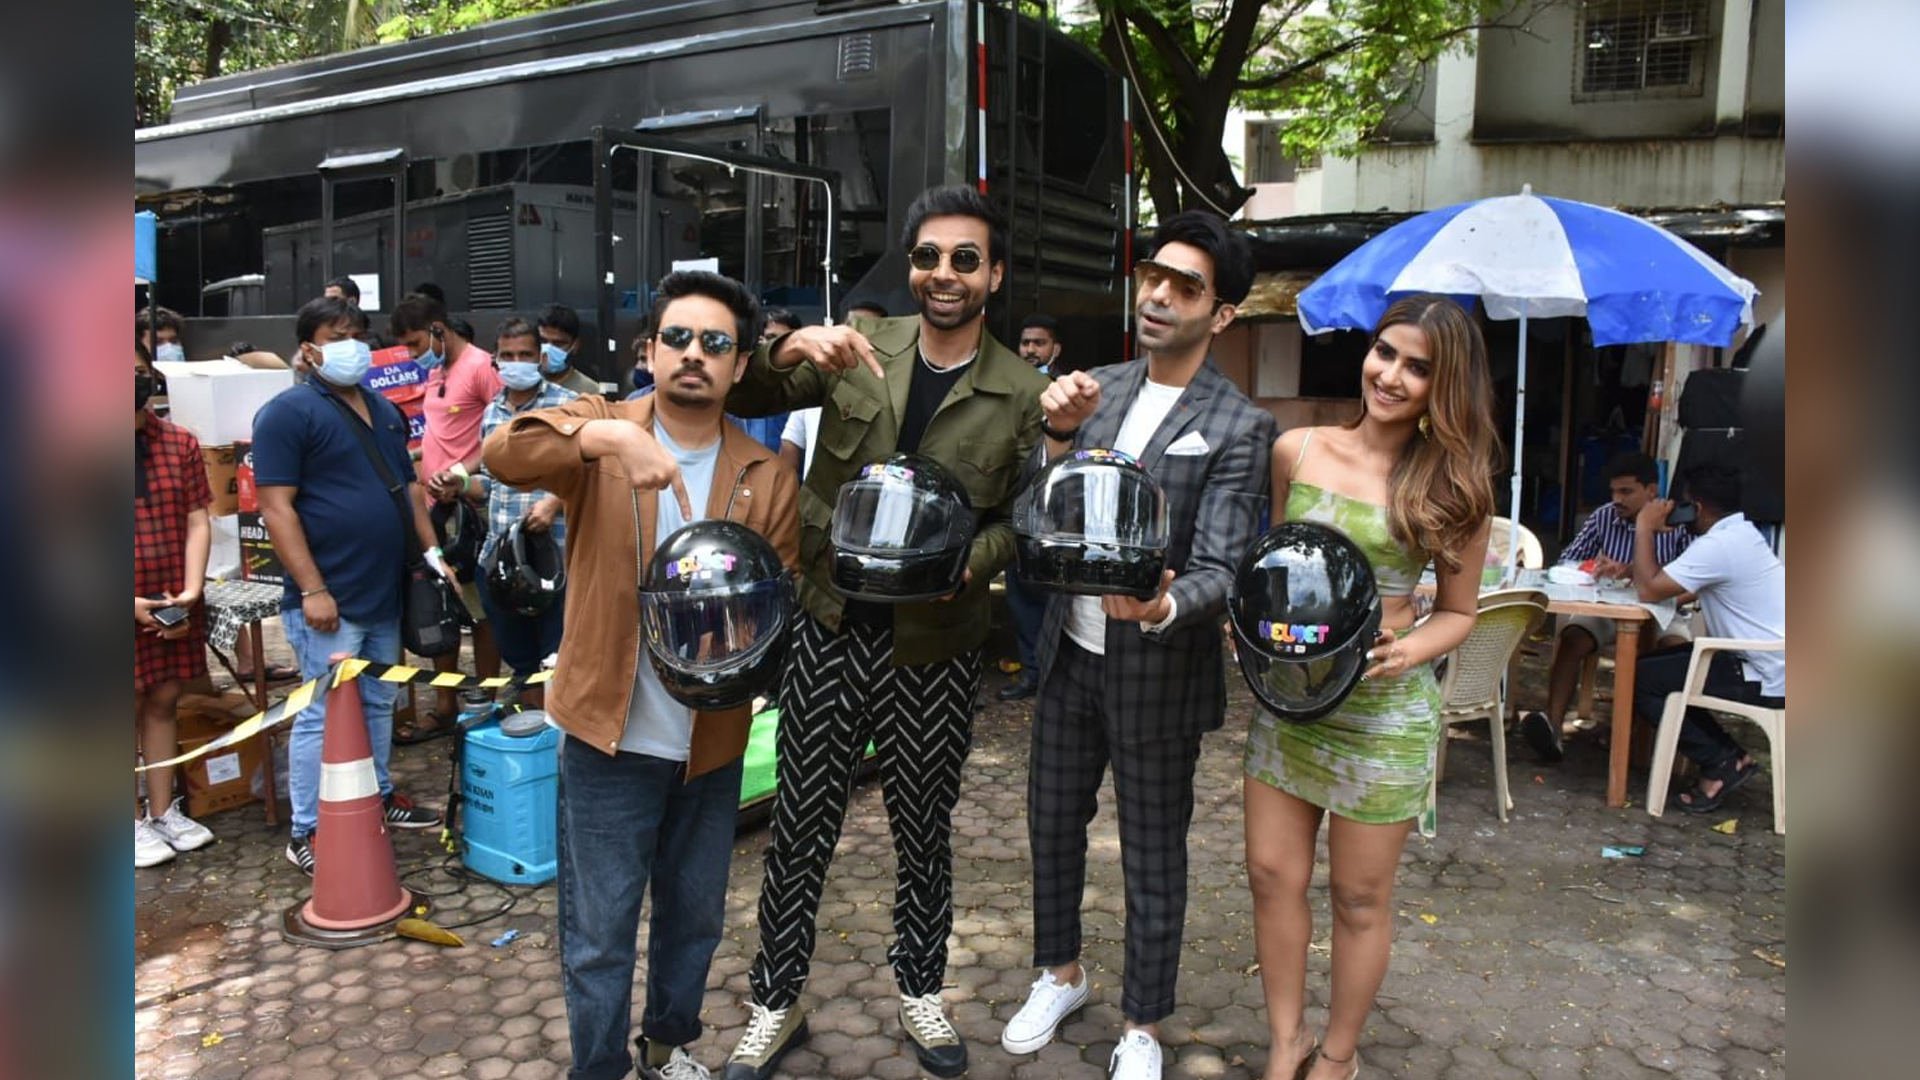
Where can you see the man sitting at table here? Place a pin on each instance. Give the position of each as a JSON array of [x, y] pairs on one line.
[[1742, 588], [1607, 539]]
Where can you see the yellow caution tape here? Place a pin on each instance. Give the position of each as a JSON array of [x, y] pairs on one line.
[[302, 696]]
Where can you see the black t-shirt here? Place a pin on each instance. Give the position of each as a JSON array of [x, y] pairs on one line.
[[924, 395]]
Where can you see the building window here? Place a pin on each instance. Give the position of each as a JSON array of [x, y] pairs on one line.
[[1266, 162], [1633, 49]]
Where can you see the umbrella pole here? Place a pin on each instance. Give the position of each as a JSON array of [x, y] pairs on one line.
[[1519, 425]]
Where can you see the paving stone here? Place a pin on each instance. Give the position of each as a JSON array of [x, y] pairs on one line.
[[1540, 960]]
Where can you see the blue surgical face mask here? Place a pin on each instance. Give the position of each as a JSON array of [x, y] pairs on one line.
[[432, 358], [169, 352], [519, 374], [344, 363], [554, 359]]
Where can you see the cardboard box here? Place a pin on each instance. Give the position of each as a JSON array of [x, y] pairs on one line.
[[257, 560], [223, 476], [216, 399], [229, 777]]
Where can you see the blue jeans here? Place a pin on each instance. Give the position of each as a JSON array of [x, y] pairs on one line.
[[523, 640], [621, 817], [1028, 606], [379, 642]]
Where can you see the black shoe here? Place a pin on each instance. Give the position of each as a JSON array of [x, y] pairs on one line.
[[300, 853], [402, 814], [935, 1043], [1543, 735], [1018, 690]]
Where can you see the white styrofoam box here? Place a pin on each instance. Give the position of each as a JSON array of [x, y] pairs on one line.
[[223, 555], [216, 399]]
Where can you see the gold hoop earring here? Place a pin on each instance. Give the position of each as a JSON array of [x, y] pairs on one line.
[[1426, 425]]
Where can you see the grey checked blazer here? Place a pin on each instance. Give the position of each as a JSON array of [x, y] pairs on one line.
[[1174, 682]]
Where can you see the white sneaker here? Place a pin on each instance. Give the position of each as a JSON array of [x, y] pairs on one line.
[[1048, 1005], [1136, 1058], [149, 847], [680, 1066], [181, 832]]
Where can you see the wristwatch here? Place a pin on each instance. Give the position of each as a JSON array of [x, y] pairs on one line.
[[1059, 436]]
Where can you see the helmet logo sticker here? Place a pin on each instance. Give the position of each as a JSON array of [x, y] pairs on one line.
[[1102, 454], [700, 567], [886, 471], [1297, 635]]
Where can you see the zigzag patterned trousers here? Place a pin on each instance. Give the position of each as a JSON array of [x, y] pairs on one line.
[[839, 690]]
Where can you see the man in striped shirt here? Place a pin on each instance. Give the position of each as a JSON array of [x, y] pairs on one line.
[[1607, 540]]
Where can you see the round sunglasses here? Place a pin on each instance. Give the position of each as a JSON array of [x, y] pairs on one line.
[[712, 342], [926, 257]]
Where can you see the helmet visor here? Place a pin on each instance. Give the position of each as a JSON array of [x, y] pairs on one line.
[[1302, 690], [883, 513], [1112, 506], [709, 630]]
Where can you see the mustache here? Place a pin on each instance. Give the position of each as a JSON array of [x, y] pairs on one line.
[[1163, 314], [698, 370]]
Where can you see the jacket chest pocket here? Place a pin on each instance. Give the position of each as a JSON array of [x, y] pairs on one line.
[[988, 469], [844, 420]]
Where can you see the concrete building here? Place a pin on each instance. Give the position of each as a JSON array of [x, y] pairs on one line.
[[1673, 109]]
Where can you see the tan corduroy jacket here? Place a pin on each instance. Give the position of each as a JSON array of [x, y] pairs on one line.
[[600, 648]]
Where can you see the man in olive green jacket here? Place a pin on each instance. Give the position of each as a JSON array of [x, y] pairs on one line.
[[939, 385]]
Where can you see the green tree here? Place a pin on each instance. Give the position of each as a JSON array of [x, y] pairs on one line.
[[179, 42], [425, 18], [1336, 67]]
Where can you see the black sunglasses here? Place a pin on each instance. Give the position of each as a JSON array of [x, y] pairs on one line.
[[712, 342], [926, 257]]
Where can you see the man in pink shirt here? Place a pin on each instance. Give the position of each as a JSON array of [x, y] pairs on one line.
[[461, 380]]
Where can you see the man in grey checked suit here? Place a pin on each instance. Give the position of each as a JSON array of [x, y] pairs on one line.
[[1136, 683]]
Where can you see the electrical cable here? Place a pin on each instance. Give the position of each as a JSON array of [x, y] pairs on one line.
[[1146, 109]]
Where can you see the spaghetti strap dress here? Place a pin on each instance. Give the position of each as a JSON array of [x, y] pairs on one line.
[[1372, 759]]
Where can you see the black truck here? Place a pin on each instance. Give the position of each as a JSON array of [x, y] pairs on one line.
[[577, 156]]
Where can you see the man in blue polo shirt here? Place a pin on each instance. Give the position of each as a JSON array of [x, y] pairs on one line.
[[338, 533]]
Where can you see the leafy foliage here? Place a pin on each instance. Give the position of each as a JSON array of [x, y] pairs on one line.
[[1335, 68]]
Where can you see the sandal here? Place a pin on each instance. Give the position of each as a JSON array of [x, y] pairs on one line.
[[1732, 778], [407, 733], [275, 673]]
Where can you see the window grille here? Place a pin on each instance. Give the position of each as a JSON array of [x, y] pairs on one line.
[[1633, 49]]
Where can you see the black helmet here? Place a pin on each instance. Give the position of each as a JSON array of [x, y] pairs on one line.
[[714, 610], [526, 570], [460, 531], [902, 530], [1093, 522], [1305, 611]]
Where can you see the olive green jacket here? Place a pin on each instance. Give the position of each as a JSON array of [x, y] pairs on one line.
[[983, 431]]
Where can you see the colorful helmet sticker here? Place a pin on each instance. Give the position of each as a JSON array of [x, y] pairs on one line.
[[700, 567], [885, 471], [1295, 637], [1102, 454]]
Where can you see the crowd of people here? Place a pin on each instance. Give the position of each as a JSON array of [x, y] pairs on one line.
[[649, 787]]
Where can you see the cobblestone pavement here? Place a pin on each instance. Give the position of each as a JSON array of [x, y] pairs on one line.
[[1521, 952]]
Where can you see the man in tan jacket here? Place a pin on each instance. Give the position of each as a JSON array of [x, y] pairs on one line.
[[648, 788]]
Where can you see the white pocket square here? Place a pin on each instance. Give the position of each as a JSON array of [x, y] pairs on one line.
[[1188, 445]]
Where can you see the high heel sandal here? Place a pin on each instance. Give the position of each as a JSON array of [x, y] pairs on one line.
[[1306, 1060], [1352, 1073]]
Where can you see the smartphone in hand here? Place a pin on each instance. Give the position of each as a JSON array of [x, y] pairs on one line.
[[170, 616], [1684, 513]]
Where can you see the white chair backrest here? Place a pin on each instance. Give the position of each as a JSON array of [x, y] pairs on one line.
[[1480, 662], [1531, 556]]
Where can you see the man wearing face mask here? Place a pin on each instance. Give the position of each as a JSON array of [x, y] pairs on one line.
[[338, 533], [162, 331], [559, 343], [461, 381], [524, 640]]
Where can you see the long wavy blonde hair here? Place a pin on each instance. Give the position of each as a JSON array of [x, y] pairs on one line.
[[1441, 488]]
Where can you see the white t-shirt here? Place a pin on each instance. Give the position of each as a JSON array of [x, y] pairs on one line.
[[1743, 593], [803, 430], [1086, 623], [657, 725]]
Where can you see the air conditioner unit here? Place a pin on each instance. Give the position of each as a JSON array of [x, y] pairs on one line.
[[1669, 25]]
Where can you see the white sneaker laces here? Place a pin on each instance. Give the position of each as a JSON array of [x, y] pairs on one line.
[[682, 1067], [761, 1029], [928, 1017]]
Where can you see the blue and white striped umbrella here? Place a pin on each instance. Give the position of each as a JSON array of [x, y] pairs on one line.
[[1530, 256], [1527, 256]]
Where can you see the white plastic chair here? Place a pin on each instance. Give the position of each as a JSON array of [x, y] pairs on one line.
[[1531, 556], [1666, 741], [1474, 687]]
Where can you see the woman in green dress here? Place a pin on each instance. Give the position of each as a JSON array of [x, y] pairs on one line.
[[1410, 481]]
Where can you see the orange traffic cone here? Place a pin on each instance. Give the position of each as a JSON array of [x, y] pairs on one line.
[[357, 897]]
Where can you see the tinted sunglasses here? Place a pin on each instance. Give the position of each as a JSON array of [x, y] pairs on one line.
[[926, 257], [712, 342], [1187, 284]]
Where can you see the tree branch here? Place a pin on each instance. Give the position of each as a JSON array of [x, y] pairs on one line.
[[1166, 46], [1334, 52]]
